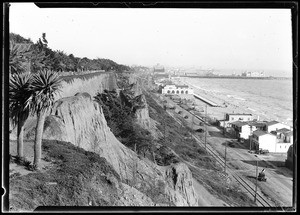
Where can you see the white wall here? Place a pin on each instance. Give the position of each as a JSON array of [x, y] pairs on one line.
[[171, 88], [283, 147], [245, 132], [277, 126], [268, 142], [233, 118]]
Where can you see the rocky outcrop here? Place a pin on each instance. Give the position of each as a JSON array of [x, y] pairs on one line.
[[179, 178], [142, 113], [80, 120]]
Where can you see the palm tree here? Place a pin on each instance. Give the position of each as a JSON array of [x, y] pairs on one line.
[[20, 96], [45, 85], [18, 54]]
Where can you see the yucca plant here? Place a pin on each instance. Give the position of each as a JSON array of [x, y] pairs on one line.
[[20, 97], [17, 56], [45, 84]]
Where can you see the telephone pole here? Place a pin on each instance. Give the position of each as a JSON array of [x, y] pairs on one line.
[[225, 156], [165, 108], [256, 181], [205, 127]]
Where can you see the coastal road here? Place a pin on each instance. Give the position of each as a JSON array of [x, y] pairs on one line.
[[277, 190]]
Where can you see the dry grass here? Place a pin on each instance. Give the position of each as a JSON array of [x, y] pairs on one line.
[[76, 177]]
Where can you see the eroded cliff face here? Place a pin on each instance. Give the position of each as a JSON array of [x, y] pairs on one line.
[[80, 120], [142, 114]]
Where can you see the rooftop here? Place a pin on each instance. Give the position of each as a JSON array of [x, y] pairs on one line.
[[239, 123], [259, 133], [248, 114], [283, 130], [256, 123], [290, 133], [183, 86], [272, 123]]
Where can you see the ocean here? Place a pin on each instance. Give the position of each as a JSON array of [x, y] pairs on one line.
[[266, 99]]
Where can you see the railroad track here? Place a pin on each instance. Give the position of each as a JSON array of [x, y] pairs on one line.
[[259, 198], [244, 184]]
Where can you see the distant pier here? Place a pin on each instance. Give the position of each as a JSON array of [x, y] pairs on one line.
[[210, 103]]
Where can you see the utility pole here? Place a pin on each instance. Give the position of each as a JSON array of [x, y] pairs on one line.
[[205, 126], [165, 108], [135, 166], [256, 181], [224, 124], [225, 156]]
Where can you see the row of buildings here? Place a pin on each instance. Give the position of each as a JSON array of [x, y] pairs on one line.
[[272, 136], [253, 74], [177, 89]]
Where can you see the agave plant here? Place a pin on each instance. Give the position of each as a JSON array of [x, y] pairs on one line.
[[20, 96], [45, 85]]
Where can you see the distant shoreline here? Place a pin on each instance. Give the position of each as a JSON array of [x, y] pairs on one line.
[[236, 77]]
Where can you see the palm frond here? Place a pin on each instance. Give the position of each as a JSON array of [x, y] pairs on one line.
[[20, 96], [45, 84]]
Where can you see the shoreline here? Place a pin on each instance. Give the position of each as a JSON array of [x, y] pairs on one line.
[[230, 103]]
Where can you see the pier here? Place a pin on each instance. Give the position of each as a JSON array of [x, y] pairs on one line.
[[210, 103]]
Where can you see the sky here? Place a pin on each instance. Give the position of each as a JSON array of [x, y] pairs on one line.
[[222, 39]]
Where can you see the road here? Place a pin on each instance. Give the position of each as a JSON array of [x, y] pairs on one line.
[[277, 190]]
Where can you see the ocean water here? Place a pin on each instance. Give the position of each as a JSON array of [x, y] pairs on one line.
[[268, 99]]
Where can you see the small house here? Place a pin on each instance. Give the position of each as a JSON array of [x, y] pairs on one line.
[[232, 117], [241, 129], [263, 140], [274, 125]]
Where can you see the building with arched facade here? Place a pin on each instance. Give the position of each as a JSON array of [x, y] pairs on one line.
[[177, 89]]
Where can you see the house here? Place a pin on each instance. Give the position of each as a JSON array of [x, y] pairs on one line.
[[244, 129], [280, 133], [274, 125], [274, 142], [288, 137], [263, 140], [241, 129], [177, 89], [257, 125], [232, 117], [290, 157]]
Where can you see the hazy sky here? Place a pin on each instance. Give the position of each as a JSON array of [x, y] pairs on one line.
[[252, 39]]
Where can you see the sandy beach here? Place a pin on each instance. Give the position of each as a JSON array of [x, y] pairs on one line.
[[235, 103]]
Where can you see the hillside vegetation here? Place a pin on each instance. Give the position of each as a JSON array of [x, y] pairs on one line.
[[76, 177], [36, 56]]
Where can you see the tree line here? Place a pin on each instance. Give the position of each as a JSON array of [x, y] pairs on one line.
[[26, 55]]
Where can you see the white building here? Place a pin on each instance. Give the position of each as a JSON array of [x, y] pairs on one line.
[[244, 129], [279, 142], [232, 117], [177, 89], [274, 125], [263, 140]]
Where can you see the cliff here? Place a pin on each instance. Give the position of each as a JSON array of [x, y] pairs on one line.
[[80, 120]]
